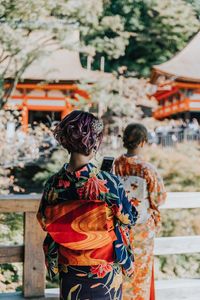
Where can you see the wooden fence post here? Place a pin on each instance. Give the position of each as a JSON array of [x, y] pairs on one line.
[[34, 268]]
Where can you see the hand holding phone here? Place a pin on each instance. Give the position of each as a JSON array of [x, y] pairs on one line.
[[107, 164]]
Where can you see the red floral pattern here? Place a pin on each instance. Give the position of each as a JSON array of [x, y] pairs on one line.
[[63, 183], [79, 172], [92, 188], [101, 270]]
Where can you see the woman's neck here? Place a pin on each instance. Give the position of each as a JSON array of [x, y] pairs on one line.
[[132, 152], [77, 160]]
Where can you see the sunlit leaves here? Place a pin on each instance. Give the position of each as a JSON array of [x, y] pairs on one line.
[[157, 30]]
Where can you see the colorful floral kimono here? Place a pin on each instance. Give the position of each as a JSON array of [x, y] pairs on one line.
[[144, 188], [88, 218]]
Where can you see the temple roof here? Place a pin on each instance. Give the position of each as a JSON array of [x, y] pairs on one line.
[[60, 65], [54, 64], [184, 66]]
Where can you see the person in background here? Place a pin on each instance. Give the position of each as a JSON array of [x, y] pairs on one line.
[[87, 217], [145, 189]]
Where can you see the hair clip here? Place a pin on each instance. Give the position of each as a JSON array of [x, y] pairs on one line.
[[97, 126]]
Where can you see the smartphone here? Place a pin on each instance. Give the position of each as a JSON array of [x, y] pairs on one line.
[[107, 164]]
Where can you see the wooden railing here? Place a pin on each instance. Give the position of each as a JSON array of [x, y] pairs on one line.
[[178, 289], [31, 254], [183, 244]]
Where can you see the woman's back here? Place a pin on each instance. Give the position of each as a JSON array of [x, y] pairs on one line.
[[145, 190], [82, 212], [78, 215], [143, 185]]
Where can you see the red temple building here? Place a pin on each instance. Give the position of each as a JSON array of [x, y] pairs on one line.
[[178, 81], [48, 84]]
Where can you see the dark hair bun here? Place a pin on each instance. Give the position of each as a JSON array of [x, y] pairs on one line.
[[79, 132], [134, 134]]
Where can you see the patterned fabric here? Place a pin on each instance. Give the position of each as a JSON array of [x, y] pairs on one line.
[[88, 218], [97, 282], [145, 189]]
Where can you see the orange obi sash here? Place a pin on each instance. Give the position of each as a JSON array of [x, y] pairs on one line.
[[84, 229]]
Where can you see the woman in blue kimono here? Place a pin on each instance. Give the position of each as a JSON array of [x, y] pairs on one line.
[[87, 217]]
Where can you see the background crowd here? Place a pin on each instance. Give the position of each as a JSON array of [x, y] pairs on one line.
[[175, 131]]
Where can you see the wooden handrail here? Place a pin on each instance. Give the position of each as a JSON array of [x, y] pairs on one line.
[[29, 203], [182, 200], [30, 253], [19, 203], [9, 254], [177, 245]]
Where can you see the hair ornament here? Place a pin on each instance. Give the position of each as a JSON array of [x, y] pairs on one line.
[[97, 126]]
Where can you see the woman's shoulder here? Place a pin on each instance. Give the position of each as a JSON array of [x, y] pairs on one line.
[[50, 181], [149, 171], [149, 167], [119, 159], [136, 162], [109, 177], [53, 178]]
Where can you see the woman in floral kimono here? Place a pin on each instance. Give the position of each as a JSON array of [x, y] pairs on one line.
[[87, 218], [144, 188]]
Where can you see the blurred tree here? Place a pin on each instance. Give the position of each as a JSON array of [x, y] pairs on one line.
[[28, 28], [18, 148], [140, 33], [196, 6], [155, 30], [119, 100]]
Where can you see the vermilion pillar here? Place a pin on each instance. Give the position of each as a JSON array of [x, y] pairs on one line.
[[24, 118]]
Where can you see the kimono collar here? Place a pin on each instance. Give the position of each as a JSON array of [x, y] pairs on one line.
[[131, 157], [88, 170]]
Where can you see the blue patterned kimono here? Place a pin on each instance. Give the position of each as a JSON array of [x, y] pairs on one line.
[[88, 251]]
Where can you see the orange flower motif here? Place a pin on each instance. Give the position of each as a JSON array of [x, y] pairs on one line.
[[135, 201], [63, 183], [93, 187], [139, 298], [101, 270], [78, 173]]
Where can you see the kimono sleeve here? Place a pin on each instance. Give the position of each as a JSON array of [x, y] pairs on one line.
[[41, 210], [44, 202], [126, 216], [156, 189], [50, 247], [156, 193]]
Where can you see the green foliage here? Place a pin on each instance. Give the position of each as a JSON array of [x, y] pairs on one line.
[[11, 228], [155, 31], [181, 172], [13, 272], [196, 5], [134, 33], [177, 266], [120, 95], [57, 160], [11, 277]]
